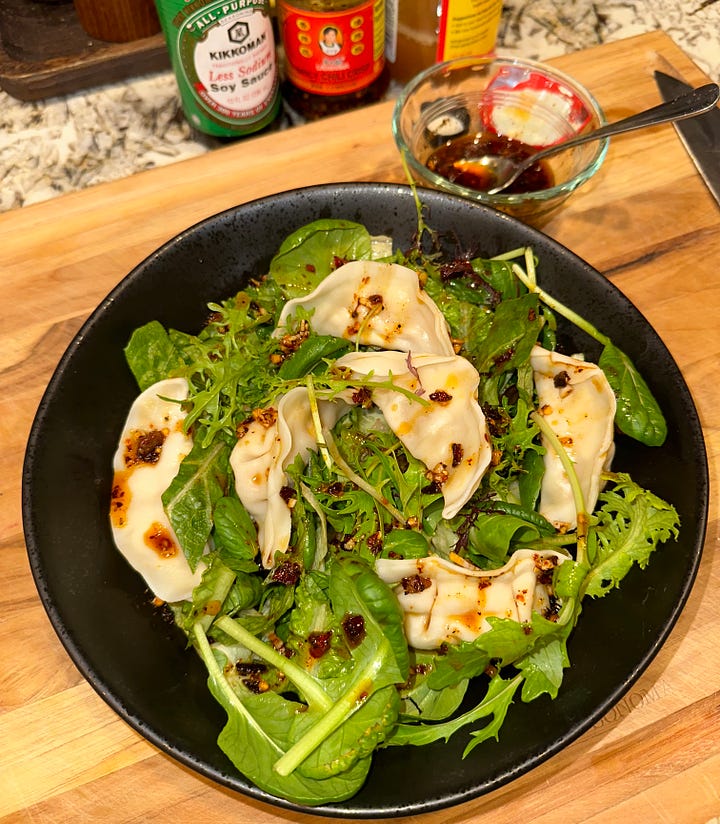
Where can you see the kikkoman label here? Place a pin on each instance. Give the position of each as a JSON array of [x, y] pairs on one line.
[[226, 56]]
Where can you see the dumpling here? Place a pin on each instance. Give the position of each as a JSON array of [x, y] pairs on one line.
[[269, 444], [151, 448], [448, 433], [375, 304], [578, 403], [445, 603]]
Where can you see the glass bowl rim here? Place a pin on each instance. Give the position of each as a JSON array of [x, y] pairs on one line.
[[500, 199]]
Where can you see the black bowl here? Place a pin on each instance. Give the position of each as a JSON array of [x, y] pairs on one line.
[[138, 664]]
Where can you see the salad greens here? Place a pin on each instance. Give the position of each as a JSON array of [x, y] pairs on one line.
[[310, 659]]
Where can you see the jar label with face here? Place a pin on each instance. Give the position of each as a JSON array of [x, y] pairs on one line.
[[333, 52]]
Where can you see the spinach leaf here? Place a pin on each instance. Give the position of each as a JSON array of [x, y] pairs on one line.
[[366, 609], [638, 414], [355, 740], [500, 277], [246, 593], [420, 702], [304, 534], [530, 478], [190, 499], [151, 355], [255, 737], [308, 255], [208, 597], [310, 355], [311, 611], [494, 535], [356, 587], [405, 543], [467, 316], [235, 535]]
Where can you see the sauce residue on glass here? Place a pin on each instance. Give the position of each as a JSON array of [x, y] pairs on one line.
[[458, 160]]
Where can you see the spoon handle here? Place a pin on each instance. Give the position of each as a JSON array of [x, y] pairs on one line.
[[685, 105]]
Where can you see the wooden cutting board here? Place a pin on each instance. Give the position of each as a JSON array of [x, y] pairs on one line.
[[646, 220]]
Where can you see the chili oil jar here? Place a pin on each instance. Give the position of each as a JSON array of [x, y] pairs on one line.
[[334, 54]]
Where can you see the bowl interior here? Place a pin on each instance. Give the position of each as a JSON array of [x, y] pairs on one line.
[[139, 664]]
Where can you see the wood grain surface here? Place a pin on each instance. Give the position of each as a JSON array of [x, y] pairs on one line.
[[646, 220]]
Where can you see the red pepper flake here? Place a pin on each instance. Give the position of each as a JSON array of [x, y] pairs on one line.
[[319, 643], [287, 573], [287, 493], [354, 629], [144, 447], [457, 454], [336, 489], [415, 583], [375, 543], [440, 396], [561, 380], [250, 667], [362, 397]]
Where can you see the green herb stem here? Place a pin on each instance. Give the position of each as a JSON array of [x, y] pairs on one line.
[[342, 709], [308, 686], [559, 307], [317, 423], [218, 678], [222, 587]]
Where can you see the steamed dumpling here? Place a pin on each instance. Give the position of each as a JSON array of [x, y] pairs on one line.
[[578, 403], [258, 460], [375, 304], [151, 448], [448, 433], [445, 603]]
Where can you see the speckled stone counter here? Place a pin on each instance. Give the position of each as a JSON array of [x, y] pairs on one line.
[[68, 143]]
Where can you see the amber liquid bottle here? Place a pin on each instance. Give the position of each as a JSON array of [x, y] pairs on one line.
[[423, 32], [334, 54]]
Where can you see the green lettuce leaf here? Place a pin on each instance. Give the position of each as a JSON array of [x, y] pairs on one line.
[[309, 254]]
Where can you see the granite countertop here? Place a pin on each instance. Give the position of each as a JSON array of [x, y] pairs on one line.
[[67, 143]]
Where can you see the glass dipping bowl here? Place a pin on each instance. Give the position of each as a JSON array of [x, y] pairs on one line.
[[505, 98]]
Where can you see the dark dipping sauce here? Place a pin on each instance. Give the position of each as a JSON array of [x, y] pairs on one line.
[[451, 162]]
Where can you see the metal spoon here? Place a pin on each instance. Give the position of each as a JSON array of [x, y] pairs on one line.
[[506, 170]]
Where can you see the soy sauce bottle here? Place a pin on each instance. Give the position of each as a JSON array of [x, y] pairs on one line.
[[334, 53], [224, 58]]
